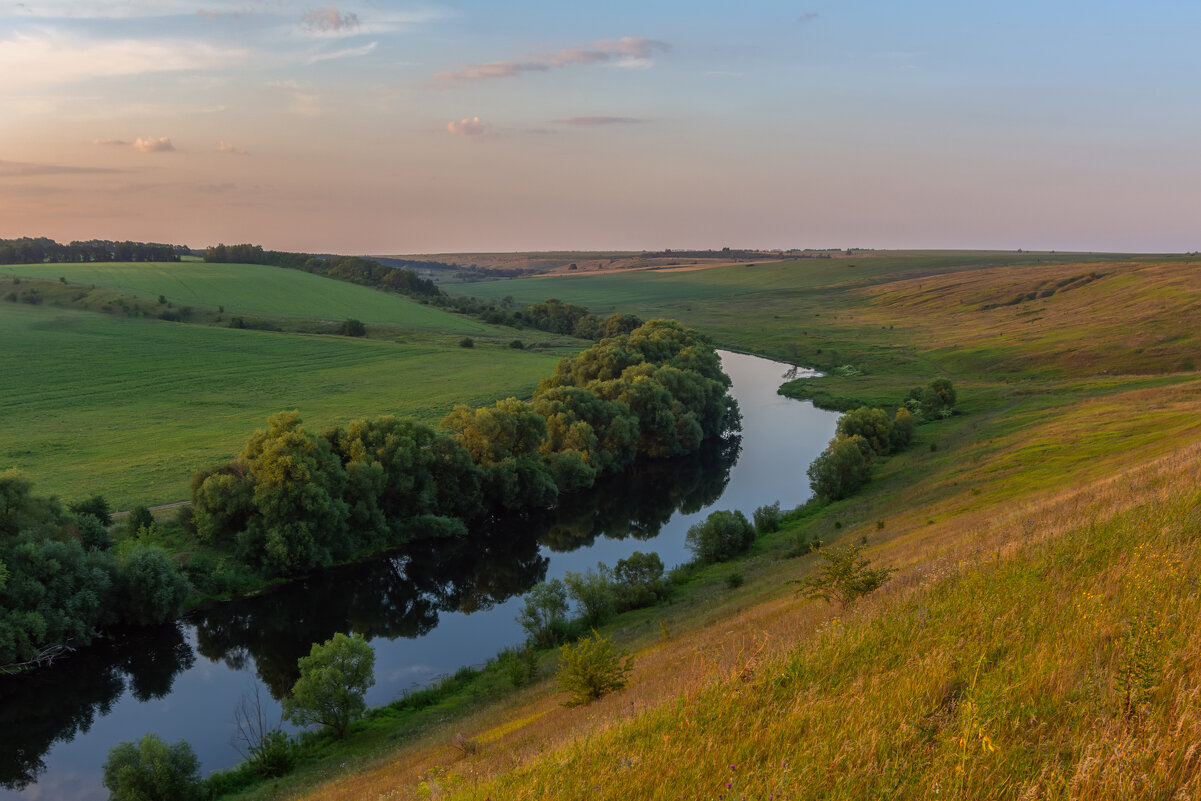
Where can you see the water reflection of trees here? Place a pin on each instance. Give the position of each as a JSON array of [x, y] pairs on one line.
[[42, 707], [650, 493], [397, 596]]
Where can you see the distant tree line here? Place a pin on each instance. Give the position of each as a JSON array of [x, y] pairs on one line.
[[61, 580], [294, 501], [552, 315], [42, 250], [355, 269]]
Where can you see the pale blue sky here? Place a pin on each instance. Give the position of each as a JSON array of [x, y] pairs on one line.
[[396, 127]]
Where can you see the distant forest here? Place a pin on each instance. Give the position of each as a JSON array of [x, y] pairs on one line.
[[347, 268], [41, 250]]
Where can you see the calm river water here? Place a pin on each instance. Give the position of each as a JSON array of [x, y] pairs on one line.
[[426, 613]]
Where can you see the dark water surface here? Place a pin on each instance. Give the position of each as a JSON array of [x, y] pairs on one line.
[[427, 611]]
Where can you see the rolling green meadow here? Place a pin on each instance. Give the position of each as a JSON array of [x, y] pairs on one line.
[[131, 407], [1035, 642], [254, 289]]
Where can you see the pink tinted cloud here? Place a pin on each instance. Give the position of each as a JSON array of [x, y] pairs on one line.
[[226, 147], [624, 52], [152, 144], [465, 127]]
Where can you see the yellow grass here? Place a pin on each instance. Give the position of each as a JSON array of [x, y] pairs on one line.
[[1038, 642], [989, 668]]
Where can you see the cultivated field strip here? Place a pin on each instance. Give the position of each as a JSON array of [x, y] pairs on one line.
[[131, 407], [253, 289]]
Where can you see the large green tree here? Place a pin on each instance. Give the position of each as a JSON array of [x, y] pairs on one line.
[[300, 520], [334, 677]]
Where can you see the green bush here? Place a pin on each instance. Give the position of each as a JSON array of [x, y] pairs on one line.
[[767, 518], [274, 755], [92, 533], [520, 665], [735, 580], [874, 425], [150, 590], [723, 535], [334, 677], [96, 506], [151, 770], [466, 342], [843, 468], [639, 580], [904, 424], [139, 518], [843, 576], [594, 594], [591, 668], [352, 328], [936, 399], [544, 615]]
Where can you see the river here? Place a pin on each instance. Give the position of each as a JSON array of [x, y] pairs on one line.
[[426, 612]]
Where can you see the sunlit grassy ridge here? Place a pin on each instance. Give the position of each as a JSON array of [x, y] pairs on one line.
[[131, 407], [254, 289], [1038, 641]]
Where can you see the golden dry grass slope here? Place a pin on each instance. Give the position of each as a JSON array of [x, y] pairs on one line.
[[1040, 640]]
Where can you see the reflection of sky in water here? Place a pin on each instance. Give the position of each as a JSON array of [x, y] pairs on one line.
[[779, 438]]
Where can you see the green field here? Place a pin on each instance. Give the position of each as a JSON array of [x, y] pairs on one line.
[[253, 289], [130, 407], [651, 291]]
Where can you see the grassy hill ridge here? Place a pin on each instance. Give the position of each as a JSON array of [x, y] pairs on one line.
[[1037, 642]]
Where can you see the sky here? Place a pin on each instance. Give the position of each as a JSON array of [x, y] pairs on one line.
[[377, 127]]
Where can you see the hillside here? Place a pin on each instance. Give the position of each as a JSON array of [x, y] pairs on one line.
[[253, 289], [1036, 642], [109, 398]]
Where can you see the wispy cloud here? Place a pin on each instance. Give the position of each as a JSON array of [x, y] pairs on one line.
[[111, 142], [629, 51], [598, 120], [153, 144], [465, 127], [226, 147], [808, 17], [351, 52], [126, 9], [48, 58], [21, 169]]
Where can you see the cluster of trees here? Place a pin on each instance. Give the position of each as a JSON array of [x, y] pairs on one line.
[[60, 579], [552, 315], [294, 501], [355, 269], [41, 250], [864, 434]]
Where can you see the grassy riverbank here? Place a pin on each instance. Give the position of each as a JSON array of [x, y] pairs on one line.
[[1035, 642]]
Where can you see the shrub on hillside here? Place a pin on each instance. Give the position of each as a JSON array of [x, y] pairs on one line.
[[639, 580], [723, 535], [594, 593], [544, 615], [874, 425], [591, 668], [844, 576], [767, 518], [844, 467]]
